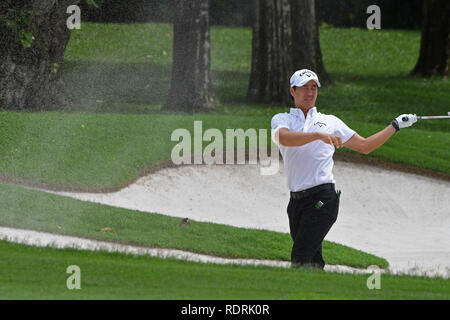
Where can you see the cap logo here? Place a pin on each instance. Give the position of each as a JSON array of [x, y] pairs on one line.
[[307, 73], [300, 77]]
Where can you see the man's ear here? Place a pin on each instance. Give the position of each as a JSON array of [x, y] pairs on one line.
[[292, 91]]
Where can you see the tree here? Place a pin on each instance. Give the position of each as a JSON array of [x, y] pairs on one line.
[[33, 38], [271, 51], [435, 42], [305, 34], [285, 39], [191, 86]]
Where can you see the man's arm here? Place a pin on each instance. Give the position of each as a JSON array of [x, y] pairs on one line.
[[367, 145], [295, 139]]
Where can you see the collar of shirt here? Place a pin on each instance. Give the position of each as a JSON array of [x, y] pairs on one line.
[[299, 113]]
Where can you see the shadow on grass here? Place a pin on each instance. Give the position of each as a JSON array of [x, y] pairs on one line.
[[136, 87], [430, 94], [378, 98]]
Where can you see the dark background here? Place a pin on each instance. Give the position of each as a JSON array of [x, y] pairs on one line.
[[395, 14]]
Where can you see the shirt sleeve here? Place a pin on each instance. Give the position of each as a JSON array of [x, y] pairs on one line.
[[342, 130], [279, 121]]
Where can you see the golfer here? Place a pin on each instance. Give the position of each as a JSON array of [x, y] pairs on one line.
[[306, 139]]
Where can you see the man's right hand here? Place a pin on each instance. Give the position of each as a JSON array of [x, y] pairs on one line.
[[331, 139], [289, 138]]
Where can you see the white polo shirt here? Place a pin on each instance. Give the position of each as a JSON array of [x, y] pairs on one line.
[[311, 164]]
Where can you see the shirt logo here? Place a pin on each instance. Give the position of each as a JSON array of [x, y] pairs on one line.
[[320, 124]]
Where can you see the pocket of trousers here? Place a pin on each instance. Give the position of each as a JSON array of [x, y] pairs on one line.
[[324, 199], [330, 204]]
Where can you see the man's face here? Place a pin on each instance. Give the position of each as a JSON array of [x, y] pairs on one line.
[[305, 97]]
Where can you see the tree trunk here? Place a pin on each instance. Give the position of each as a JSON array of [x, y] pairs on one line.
[[29, 76], [271, 65], [305, 35], [285, 39], [191, 86], [435, 43], [258, 73]]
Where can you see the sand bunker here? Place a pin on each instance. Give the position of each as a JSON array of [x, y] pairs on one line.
[[402, 217]]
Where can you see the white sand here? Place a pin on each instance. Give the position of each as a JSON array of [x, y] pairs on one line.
[[404, 218]]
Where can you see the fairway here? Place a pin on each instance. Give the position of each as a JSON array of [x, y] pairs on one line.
[[41, 272]]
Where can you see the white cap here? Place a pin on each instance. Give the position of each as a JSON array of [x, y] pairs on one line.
[[301, 77]]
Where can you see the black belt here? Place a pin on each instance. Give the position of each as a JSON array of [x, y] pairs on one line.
[[311, 191]]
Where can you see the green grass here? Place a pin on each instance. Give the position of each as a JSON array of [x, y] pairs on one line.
[[40, 273], [38, 210], [125, 68], [110, 149], [120, 77]]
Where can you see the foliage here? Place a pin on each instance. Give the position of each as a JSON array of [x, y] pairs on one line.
[[92, 3], [18, 21]]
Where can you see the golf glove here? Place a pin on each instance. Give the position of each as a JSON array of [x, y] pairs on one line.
[[406, 120]]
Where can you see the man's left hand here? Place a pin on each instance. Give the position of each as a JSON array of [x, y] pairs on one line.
[[406, 120]]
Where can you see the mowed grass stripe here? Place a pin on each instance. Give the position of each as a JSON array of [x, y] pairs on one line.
[[40, 273]]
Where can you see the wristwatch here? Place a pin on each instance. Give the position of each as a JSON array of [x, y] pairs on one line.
[[395, 125]]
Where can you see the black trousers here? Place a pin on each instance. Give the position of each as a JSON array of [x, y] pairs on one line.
[[310, 219]]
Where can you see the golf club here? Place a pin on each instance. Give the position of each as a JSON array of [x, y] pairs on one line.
[[429, 117]]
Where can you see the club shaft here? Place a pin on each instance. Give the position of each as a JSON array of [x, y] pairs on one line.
[[432, 117]]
